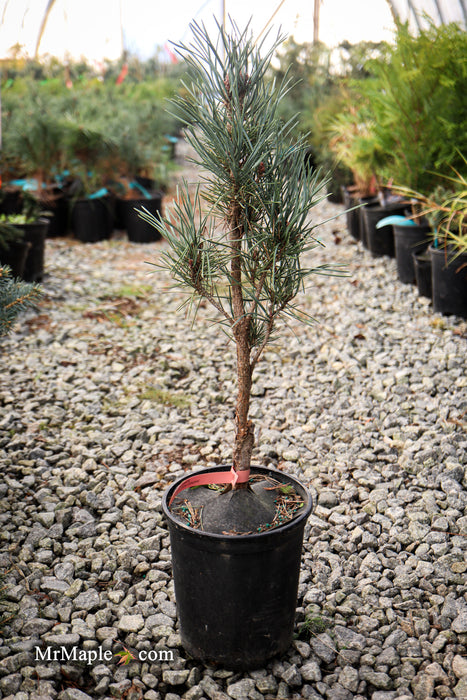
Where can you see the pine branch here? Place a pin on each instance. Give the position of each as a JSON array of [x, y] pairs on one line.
[[15, 296]]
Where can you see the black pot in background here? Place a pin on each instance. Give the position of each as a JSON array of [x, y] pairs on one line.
[[147, 182], [236, 595], [35, 234], [409, 240], [139, 230], [380, 241], [57, 212], [15, 257], [92, 220], [11, 201], [422, 266], [352, 217], [449, 279], [365, 202]]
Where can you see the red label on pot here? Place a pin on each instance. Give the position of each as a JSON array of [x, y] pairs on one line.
[[231, 477]]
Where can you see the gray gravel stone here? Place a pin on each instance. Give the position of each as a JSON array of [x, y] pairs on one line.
[[311, 671], [460, 623], [292, 676], [37, 626], [423, 687], [459, 666], [175, 677], [323, 647], [376, 679], [131, 623], [460, 689], [241, 689], [11, 684], [349, 639], [73, 694], [88, 600], [267, 685], [349, 678]]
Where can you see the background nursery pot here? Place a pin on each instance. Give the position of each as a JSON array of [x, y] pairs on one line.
[[236, 594], [409, 239], [352, 215], [369, 201], [380, 239], [92, 219], [138, 230], [35, 234], [422, 266], [15, 257], [449, 281], [25, 253]]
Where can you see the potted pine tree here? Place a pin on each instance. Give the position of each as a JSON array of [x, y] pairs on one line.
[[238, 243]]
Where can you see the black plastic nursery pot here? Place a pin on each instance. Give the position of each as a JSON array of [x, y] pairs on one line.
[[15, 257], [422, 266], [236, 595], [35, 234], [369, 201], [58, 208], [449, 280], [352, 216], [380, 241], [409, 240], [92, 220], [139, 230], [147, 182], [11, 201]]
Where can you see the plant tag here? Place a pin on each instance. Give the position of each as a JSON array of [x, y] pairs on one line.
[[230, 477]]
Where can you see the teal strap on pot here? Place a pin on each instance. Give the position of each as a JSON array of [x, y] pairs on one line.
[[143, 190], [395, 219], [100, 193], [25, 184], [60, 177]]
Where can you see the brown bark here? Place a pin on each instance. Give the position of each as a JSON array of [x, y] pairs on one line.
[[244, 437]]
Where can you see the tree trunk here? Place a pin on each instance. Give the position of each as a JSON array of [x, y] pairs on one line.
[[244, 436]]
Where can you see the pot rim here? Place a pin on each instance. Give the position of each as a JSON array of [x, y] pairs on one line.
[[443, 248], [254, 537]]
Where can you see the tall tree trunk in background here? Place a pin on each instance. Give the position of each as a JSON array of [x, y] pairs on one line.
[[50, 4]]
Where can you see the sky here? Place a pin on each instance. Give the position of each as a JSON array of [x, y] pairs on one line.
[[93, 28]]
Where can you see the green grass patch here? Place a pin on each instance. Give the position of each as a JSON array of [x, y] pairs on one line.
[[313, 624], [129, 291], [166, 398]]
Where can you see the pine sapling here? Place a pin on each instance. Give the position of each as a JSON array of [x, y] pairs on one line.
[[238, 241]]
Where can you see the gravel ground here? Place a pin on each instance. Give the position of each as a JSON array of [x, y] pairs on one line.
[[108, 394]]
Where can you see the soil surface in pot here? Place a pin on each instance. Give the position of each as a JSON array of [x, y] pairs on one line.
[[265, 504]]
